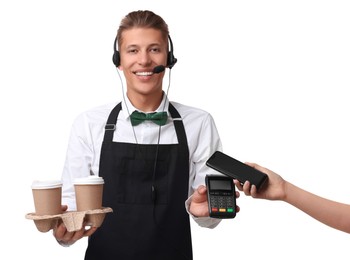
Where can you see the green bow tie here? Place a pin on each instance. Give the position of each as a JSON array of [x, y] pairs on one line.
[[138, 117]]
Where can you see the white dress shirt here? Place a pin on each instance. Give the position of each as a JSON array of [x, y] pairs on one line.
[[83, 153]]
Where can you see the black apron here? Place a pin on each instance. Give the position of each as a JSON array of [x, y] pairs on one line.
[[149, 219]]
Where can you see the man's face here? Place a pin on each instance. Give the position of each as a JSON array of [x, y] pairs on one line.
[[140, 51]]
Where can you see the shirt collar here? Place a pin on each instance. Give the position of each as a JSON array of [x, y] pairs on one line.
[[128, 108]]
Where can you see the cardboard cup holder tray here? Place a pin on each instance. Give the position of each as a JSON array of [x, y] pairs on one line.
[[73, 220]]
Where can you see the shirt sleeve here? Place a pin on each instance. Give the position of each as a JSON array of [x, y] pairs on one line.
[[206, 142], [78, 161]]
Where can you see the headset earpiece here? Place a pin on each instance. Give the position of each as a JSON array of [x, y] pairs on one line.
[[116, 58], [171, 60], [116, 55]]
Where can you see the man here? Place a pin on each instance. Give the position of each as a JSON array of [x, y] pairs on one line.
[[150, 168]]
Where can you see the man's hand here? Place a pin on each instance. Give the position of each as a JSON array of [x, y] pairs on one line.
[[66, 238], [199, 202]]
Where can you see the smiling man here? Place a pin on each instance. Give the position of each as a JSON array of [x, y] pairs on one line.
[[150, 152]]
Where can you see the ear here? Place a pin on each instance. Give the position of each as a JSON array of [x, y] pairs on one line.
[[120, 68]]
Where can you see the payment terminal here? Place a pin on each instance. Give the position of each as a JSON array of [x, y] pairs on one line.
[[221, 196]]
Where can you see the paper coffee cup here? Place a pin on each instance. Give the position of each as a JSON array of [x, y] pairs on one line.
[[88, 192], [47, 197]]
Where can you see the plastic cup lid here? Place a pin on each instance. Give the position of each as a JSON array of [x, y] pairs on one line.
[[49, 184], [89, 180]]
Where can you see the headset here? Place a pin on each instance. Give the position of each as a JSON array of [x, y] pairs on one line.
[[171, 60]]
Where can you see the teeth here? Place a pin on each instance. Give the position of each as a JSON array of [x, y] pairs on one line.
[[144, 73]]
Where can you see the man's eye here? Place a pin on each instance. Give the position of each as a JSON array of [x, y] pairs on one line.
[[155, 50], [132, 51]]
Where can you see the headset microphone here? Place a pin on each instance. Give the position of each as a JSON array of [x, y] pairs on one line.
[[158, 69]]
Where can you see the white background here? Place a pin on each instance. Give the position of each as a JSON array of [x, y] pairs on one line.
[[278, 69]]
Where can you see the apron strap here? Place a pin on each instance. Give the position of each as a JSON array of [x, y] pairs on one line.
[[111, 123], [179, 127]]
